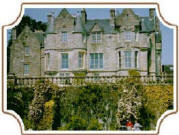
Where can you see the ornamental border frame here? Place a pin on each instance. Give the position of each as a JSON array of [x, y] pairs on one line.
[[89, 3]]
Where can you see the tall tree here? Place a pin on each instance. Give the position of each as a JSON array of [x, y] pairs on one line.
[[130, 100]]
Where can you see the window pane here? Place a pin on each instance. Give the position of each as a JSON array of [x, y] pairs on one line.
[[26, 68], [80, 59], [94, 37], [64, 60], [127, 59], [96, 61], [64, 36], [98, 37], [92, 60], [26, 49], [47, 61], [101, 60]]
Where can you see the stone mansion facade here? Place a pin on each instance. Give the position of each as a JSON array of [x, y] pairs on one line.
[[100, 47]]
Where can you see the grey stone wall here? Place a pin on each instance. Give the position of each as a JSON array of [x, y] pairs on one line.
[[18, 57]]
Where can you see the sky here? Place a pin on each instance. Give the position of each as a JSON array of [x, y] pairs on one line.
[[40, 14]]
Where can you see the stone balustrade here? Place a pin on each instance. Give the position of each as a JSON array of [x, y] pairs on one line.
[[67, 81]]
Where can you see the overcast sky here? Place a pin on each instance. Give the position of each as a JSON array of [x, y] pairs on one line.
[[40, 14]]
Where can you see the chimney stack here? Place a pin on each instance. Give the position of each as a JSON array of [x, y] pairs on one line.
[[152, 13], [50, 27], [112, 19], [83, 15]]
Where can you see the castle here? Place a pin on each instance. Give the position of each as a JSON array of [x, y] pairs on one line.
[[100, 47]]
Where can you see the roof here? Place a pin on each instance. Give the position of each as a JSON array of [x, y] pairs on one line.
[[147, 24], [104, 24]]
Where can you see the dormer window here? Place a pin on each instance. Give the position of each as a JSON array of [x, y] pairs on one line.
[[64, 37], [96, 37]]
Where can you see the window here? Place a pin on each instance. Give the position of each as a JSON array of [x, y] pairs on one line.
[[128, 59], [26, 68], [128, 35], [96, 37], [136, 63], [80, 59], [119, 59], [96, 60], [64, 36], [64, 64], [47, 61], [27, 50]]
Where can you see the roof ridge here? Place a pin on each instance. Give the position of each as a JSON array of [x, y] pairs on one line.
[[97, 19]]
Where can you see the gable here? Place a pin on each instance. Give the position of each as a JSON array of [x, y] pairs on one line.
[[27, 36], [96, 28], [64, 13], [127, 18], [64, 20]]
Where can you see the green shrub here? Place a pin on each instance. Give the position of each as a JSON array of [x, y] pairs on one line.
[[157, 100], [18, 99], [75, 123], [94, 125], [47, 120], [43, 91]]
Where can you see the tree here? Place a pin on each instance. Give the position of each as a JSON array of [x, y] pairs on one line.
[[43, 92], [130, 98], [47, 120], [158, 99], [33, 24]]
